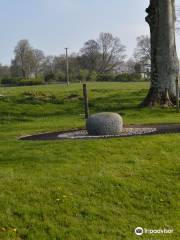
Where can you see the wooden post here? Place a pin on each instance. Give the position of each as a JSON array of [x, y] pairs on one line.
[[86, 103], [177, 94]]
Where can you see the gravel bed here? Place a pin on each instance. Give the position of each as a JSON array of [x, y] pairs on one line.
[[128, 131], [81, 134]]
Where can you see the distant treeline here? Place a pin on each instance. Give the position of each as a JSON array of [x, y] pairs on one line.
[[123, 77], [103, 59]]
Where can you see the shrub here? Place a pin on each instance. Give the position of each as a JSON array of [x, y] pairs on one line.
[[122, 77], [109, 77], [49, 77], [9, 81], [30, 82], [92, 76], [21, 82], [83, 75], [60, 76]]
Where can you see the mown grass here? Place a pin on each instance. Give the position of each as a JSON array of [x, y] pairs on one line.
[[93, 189]]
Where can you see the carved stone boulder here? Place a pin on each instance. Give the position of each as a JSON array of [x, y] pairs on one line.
[[105, 123]]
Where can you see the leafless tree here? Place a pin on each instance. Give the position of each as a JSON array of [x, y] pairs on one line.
[[38, 60], [104, 54], [131, 65], [143, 49], [90, 56], [28, 61], [112, 52], [49, 64], [23, 57]]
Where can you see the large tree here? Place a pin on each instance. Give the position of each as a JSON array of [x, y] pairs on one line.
[[103, 55], [28, 61], [90, 56], [23, 57], [142, 51], [161, 19], [38, 60], [112, 52]]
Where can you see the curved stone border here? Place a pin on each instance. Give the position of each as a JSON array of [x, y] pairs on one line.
[[129, 131]]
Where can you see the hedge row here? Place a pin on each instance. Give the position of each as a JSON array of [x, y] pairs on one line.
[[124, 77], [92, 77], [21, 82]]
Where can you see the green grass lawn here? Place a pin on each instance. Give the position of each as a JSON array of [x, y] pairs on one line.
[[85, 190]]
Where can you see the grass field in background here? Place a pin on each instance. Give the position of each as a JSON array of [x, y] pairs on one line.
[[85, 190]]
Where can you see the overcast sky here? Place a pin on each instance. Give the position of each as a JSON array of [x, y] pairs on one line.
[[51, 25]]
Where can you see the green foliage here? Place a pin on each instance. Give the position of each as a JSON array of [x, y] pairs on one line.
[[9, 81], [126, 77], [83, 75], [49, 77], [30, 82], [21, 82], [109, 77], [122, 77], [92, 76], [60, 76]]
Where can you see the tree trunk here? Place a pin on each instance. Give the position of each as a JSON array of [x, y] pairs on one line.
[[164, 61]]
